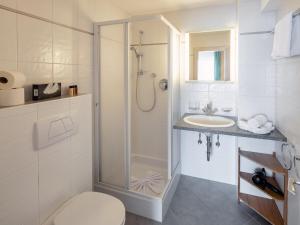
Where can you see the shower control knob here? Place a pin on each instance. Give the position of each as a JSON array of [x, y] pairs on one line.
[[163, 84]]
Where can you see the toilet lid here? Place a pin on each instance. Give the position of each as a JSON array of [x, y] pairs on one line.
[[92, 208]]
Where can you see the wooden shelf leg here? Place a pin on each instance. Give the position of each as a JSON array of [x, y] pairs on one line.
[[239, 179]]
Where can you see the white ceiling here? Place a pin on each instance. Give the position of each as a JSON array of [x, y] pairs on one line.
[[138, 7]]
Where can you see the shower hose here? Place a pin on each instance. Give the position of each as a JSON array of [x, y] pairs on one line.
[[137, 94]]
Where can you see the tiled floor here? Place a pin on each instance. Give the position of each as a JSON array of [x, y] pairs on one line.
[[202, 202]]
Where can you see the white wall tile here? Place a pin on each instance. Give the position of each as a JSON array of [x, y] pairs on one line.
[[80, 145], [256, 80], [38, 73], [17, 151], [287, 98], [42, 8], [9, 65], [66, 12], [65, 45], [55, 185], [195, 86], [35, 73], [86, 10], [34, 40], [159, 36], [85, 49], [85, 71], [8, 39], [250, 106], [81, 179], [252, 19], [260, 54], [85, 85], [19, 197], [9, 3]]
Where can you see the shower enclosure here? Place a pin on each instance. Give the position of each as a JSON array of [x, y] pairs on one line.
[[137, 78]]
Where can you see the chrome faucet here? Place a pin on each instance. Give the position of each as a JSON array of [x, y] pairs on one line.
[[209, 110]]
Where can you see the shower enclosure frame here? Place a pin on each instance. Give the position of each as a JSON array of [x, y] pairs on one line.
[[132, 199]]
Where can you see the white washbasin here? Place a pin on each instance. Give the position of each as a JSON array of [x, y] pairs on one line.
[[209, 121]]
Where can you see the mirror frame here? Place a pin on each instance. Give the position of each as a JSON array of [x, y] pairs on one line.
[[233, 55]]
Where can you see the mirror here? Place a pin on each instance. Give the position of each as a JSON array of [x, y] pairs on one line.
[[210, 56]]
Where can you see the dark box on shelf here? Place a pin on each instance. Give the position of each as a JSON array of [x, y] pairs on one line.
[[45, 91]]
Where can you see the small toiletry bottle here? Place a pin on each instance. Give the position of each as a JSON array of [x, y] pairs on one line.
[[73, 90]]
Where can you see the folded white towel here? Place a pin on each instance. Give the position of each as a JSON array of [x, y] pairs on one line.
[[283, 37], [295, 48], [258, 124], [262, 130], [243, 124], [257, 121]]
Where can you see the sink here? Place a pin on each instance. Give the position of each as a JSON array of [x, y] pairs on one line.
[[209, 121]]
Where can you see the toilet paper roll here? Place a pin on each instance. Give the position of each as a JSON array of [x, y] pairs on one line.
[[11, 79], [12, 97]]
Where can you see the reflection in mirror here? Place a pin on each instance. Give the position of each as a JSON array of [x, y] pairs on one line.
[[210, 56]]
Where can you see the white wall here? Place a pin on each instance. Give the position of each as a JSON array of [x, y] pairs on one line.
[[35, 182], [204, 18], [42, 50], [288, 106]]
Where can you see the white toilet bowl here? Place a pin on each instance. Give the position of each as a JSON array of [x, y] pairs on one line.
[[90, 208]]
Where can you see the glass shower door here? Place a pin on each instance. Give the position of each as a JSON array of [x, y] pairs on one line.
[[113, 105]]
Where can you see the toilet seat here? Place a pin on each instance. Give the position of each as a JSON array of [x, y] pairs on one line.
[[92, 208]]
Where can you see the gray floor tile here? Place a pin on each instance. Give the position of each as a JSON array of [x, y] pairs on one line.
[[201, 202], [252, 222]]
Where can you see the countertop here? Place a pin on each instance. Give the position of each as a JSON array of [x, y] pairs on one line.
[[275, 135]]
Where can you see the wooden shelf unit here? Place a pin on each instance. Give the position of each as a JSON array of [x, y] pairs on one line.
[[248, 177], [267, 208]]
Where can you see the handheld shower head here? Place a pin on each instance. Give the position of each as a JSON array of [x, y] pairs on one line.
[[135, 51]]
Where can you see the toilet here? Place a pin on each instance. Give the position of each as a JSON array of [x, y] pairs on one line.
[[89, 208]]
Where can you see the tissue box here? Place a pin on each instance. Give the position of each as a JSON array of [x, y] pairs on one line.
[[45, 91]]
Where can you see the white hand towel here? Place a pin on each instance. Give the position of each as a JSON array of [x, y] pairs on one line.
[[257, 121], [258, 124], [283, 37], [296, 37], [242, 124], [261, 130], [269, 125]]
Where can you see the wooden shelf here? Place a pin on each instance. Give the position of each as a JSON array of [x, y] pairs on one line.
[[248, 177], [266, 160], [267, 208]]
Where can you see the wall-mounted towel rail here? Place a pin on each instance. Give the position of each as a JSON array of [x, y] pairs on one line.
[[296, 13]]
